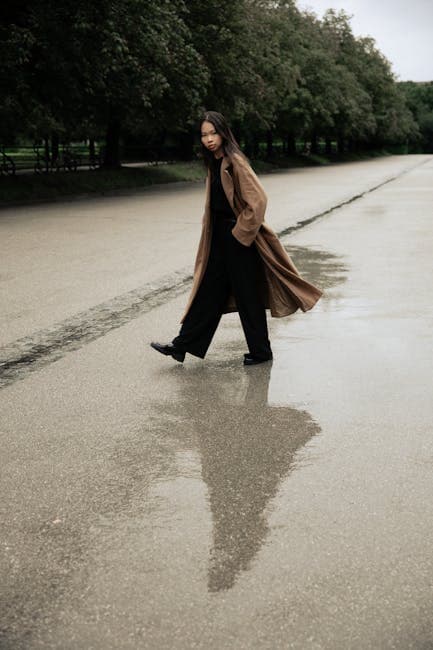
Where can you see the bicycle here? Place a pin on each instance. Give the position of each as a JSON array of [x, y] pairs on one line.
[[7, 165]]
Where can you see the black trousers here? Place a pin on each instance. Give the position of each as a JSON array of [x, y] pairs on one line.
[[234, 268]]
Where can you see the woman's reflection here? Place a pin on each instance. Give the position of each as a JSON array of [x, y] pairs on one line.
[[247, 448]]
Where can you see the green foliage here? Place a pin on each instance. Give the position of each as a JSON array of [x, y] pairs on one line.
[[70, 69], [419, 98], [15, 45]]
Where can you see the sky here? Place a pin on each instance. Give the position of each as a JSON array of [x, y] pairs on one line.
[[402, 29]]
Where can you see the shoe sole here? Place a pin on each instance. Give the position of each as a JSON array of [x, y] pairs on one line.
[[256, 362], [177, 357]]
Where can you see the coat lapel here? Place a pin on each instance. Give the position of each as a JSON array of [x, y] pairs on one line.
[[207, 201], [227, 181]]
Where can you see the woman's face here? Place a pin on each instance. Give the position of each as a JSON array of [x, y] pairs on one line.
[[211, 139]]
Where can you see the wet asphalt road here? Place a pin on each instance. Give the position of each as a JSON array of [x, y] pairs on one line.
[[148, 504]]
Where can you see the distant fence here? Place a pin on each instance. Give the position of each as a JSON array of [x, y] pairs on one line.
[[70, 158], [40, 159], [28, 159]]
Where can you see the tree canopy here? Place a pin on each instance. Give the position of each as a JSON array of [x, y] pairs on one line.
[[73, 69], [419, 98]]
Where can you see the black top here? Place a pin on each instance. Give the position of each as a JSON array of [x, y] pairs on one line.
[[219, 206]]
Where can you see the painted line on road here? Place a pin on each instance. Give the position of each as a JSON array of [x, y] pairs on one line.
[[310, 220], [31, 353]]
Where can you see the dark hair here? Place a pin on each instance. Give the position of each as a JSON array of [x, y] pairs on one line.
[[221, 126]]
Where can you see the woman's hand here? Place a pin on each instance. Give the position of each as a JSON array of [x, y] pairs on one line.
[[254, 199]]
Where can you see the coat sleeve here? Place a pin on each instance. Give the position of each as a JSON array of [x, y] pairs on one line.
[[207, 200], [253, 199]]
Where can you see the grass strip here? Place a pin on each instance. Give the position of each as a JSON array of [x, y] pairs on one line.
[[28, 188]]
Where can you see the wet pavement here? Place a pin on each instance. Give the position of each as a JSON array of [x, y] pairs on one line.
[[76, 256], [149, 504]]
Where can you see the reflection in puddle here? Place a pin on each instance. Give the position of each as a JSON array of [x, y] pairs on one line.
[[246, 447], [320, 267]]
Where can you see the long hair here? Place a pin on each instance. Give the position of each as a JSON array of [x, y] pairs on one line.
[[221, 126]]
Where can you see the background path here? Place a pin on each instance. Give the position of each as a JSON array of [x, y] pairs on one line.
[[148, 504], [61, 259]]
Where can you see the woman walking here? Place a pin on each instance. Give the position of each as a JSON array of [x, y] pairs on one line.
[[240, 264]]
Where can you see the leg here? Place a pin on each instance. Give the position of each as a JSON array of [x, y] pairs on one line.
[[205, 313], [246, 277]]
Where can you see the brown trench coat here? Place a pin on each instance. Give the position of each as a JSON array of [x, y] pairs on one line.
[[284, 290]]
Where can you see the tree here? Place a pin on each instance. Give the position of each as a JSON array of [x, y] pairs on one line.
[[144, 69], [141, 69], [377, 113], [268, 47], [104, 66], [419, 99]]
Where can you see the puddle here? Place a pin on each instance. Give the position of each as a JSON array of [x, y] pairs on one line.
[[245, 448]]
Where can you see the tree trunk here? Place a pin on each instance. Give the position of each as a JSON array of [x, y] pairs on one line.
[[314, 143], [341, 144], [269, 144], [248, 145], [186, 145], [47, 154], [54, 147], [112, 145], [256, 146], [93, 162], [328, 146], [291, 144]]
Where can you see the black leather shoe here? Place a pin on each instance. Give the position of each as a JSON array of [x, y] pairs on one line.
[[169, 350], [250, 360]]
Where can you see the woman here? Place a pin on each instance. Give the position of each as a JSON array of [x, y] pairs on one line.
[[240, 264]]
